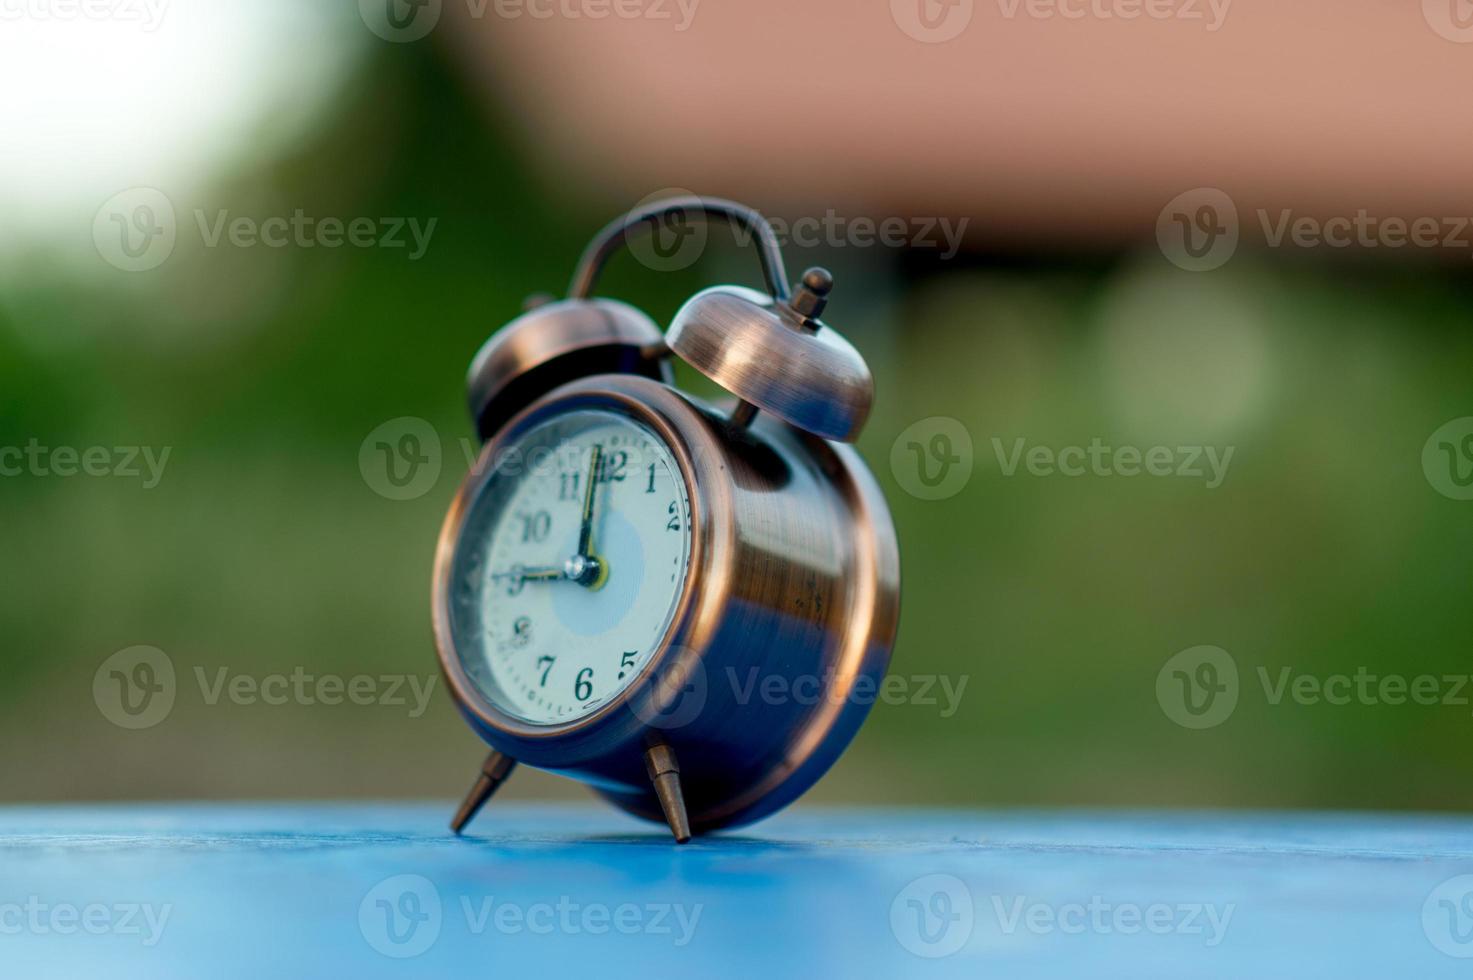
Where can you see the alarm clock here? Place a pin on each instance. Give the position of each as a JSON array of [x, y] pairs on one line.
[[688, 606]]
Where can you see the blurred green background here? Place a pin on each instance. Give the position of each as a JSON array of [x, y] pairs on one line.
[[263, 549]]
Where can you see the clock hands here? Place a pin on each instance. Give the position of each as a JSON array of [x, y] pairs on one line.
[[584, 567]]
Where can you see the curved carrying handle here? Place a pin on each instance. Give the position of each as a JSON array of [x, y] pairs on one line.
[[641, 219]]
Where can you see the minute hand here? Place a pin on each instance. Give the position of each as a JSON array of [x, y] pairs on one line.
[[585, 533]]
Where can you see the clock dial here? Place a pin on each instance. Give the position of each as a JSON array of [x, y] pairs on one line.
[[569, 565]]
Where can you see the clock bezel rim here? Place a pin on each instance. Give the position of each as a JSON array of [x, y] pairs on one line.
[[566, 744]]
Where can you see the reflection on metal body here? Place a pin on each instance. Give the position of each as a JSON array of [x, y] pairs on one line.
[[781, 635]]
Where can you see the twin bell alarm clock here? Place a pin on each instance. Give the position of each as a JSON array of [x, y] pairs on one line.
[[689, 607]]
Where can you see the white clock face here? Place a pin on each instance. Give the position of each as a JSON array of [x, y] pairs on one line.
[[559, 596]]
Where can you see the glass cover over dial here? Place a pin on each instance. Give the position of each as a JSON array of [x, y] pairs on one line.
[[569, 565]]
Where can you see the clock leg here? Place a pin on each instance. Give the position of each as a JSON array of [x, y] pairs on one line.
[[659, 761], [493, 773]]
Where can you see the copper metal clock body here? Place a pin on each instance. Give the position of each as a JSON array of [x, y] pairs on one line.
[[781, 635]]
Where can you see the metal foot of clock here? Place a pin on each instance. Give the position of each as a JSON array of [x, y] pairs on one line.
[[659, 761], [493, 773]]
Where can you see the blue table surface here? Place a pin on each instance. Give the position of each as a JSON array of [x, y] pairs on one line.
[[370, 890]]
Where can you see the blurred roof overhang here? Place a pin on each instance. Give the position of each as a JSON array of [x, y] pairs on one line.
[[1050, 128]]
